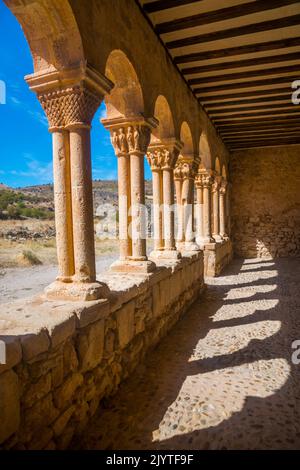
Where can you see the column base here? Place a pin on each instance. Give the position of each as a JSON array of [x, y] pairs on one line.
[[165, 254], [133, 266], [190, 246], [76, 291], [217, 238], [205, 241]]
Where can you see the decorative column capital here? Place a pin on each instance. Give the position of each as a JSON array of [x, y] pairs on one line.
[[130, 135], [207, 180], [185, 168], [223, 187], [163, 155], [70, 97]]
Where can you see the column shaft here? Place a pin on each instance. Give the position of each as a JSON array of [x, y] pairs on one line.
[[200, 232], [168, 199], [222, 214], [138, 207], [207, 213], [63, 204], [180, 225], [216, 227], [157, 213], [124, 206], [82, 203]]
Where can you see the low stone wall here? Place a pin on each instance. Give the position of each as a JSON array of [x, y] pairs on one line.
[[216, 257], [63, 358]]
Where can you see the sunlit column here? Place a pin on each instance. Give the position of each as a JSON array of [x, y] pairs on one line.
[[199, 209], [216, 215], [207, 181], [188, 173], [222, 203]]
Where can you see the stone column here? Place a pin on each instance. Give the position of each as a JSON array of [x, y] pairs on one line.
[[216, 215], [162, 158], [207, 181], [227, 204], [119, 142], [178, 180], [82, 203], [222, 202], [200, 210], [188, 173], [154, 157], [130, 139], [70, 98], [63, 204]]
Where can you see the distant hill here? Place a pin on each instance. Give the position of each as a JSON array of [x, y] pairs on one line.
[[38, 201]]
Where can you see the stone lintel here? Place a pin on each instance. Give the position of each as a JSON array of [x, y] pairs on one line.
[[85, 75], [135, 120], [170, 144]]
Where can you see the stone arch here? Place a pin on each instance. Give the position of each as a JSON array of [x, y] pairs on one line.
[[187, 141], [163, 113], [51, 31], [205, 152], [126, 97], [217, 166]]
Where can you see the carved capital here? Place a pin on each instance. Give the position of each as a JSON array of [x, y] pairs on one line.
[[70, 106], [206, 180], [130, 136], [163, 156], [70, 97], [223, 187], [199, 181]]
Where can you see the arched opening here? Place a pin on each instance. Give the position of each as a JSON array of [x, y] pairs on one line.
[[217, 166], [224, 172], [126, 97], [51, 31], [186, 138], [205, 153], [165, 128]]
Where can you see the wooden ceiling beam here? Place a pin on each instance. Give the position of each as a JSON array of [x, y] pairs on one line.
[[238, 50], [248, 84], [242, 63], [252, 28]]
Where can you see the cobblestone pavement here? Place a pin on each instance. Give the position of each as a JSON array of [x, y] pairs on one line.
[[223, 378]]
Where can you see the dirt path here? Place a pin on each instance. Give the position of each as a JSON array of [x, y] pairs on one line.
[[225, 378], [18, 283]]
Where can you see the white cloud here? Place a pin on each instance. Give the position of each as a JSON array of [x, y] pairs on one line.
[[40, 172]]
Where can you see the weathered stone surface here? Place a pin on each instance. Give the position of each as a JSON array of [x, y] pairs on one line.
[[91, 345], [125, 323], [62, 421], [265, 202], [34, 344], [37, 390], [9, 404], [64, 394]]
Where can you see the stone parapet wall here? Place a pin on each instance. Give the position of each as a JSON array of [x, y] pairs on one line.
[[63, 358], [216, 257], [265, 202]]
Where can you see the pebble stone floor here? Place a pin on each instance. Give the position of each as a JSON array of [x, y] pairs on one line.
[[223, 378]]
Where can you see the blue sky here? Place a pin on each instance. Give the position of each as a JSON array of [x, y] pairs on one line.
[[25, 148]]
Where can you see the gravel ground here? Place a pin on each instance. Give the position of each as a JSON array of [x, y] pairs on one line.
[[225, 378], [18, 283]]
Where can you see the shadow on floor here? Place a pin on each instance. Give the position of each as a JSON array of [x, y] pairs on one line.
[[223, 378]]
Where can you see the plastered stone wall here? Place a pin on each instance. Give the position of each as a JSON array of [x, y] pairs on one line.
[[63, 358], [265, 202]]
